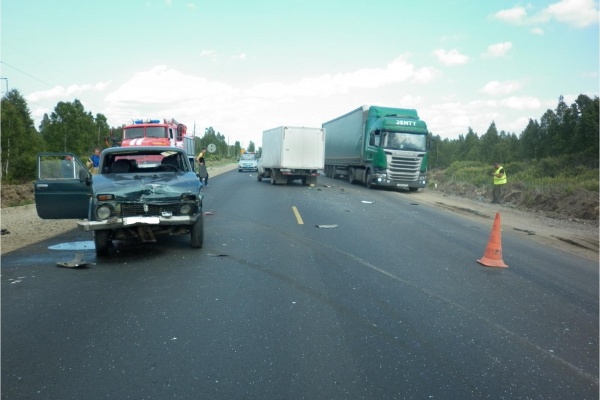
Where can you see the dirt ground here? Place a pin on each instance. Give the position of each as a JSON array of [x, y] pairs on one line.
[[568, 222]]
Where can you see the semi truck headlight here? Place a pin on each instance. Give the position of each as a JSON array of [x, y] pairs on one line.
[[104, 212]]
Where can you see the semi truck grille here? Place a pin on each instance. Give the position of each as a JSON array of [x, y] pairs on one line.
[[405, 168], [137, 209]]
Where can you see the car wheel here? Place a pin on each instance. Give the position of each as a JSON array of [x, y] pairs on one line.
[[198, 232], [102, 242]]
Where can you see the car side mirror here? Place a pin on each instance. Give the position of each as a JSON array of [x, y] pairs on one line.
[[85, 176]]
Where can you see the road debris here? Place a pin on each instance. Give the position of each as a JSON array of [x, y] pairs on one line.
[[74, 263]]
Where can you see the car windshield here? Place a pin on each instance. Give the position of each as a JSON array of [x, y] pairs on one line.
[[248, 157], [404, 141]]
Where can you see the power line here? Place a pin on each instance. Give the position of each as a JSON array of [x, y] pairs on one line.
[[39, 80], [25, 73]]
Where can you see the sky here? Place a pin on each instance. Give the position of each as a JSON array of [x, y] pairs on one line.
[[245, 66]]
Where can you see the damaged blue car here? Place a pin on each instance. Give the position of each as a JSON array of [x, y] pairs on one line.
[[139, 193]]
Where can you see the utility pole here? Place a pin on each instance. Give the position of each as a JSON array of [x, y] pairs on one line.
[[6, 79]]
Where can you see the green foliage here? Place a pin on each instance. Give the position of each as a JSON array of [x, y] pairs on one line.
[[549, 175], [20, 141], [219, 140]]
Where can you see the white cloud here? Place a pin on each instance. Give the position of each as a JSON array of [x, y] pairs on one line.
[[71, 91], [515, 15], [450, 57], [239, 57], [425, 75], [206, 53], [537, 31], [500, 88], [161, 85], [522, 103], [498, 50], [575, 13]]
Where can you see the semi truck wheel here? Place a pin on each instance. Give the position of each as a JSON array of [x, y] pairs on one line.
[[369, 180], [351, 175]]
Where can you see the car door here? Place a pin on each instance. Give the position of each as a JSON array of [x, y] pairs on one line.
[[63, 187]]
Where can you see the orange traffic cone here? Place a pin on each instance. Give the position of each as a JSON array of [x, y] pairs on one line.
[[493, 252]]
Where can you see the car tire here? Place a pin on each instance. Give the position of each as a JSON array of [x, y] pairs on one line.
[[102, 242], [198, 232]]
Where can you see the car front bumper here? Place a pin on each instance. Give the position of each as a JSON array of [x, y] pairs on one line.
[[128, 222]]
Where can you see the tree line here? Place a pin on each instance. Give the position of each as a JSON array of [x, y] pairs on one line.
[[565, 131]]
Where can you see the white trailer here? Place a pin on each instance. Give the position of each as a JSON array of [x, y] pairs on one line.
[[292, 153]]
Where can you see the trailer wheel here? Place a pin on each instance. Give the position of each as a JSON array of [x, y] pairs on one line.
[[351, 175], [272, 178], [259, 177]]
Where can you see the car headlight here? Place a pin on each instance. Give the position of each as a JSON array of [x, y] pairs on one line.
[[186, 209], [104, 212]]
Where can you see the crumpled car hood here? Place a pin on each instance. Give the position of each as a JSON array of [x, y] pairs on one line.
[[147, 187]]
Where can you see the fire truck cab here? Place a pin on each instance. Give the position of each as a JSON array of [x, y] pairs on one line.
[[156, 132]]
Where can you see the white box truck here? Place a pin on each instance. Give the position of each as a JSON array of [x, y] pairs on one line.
[[292, 153]]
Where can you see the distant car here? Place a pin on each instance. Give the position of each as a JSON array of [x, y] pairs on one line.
[[139, 193], [247, 162]]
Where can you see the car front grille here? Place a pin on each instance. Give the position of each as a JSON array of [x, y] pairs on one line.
[[137, 209]]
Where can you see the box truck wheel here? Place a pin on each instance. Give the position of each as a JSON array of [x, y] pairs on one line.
[[272, 178], [351, 175]]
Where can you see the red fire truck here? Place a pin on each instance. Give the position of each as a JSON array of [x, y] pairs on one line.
[[156, 132]]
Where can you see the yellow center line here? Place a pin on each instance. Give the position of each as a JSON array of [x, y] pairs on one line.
[[297, 214]]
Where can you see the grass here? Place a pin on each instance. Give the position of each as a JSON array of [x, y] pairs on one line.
[[542, 176]]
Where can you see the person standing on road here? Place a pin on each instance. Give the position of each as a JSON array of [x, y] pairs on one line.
[[94, 161], [202, 171], [499, 180]]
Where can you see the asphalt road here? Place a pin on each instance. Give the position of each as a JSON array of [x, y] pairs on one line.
[[329, 292]]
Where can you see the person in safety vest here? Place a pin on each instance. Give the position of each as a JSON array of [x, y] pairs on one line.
[[499, 180]]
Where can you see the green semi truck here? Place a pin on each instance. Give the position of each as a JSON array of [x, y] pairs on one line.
[[378, 146]]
